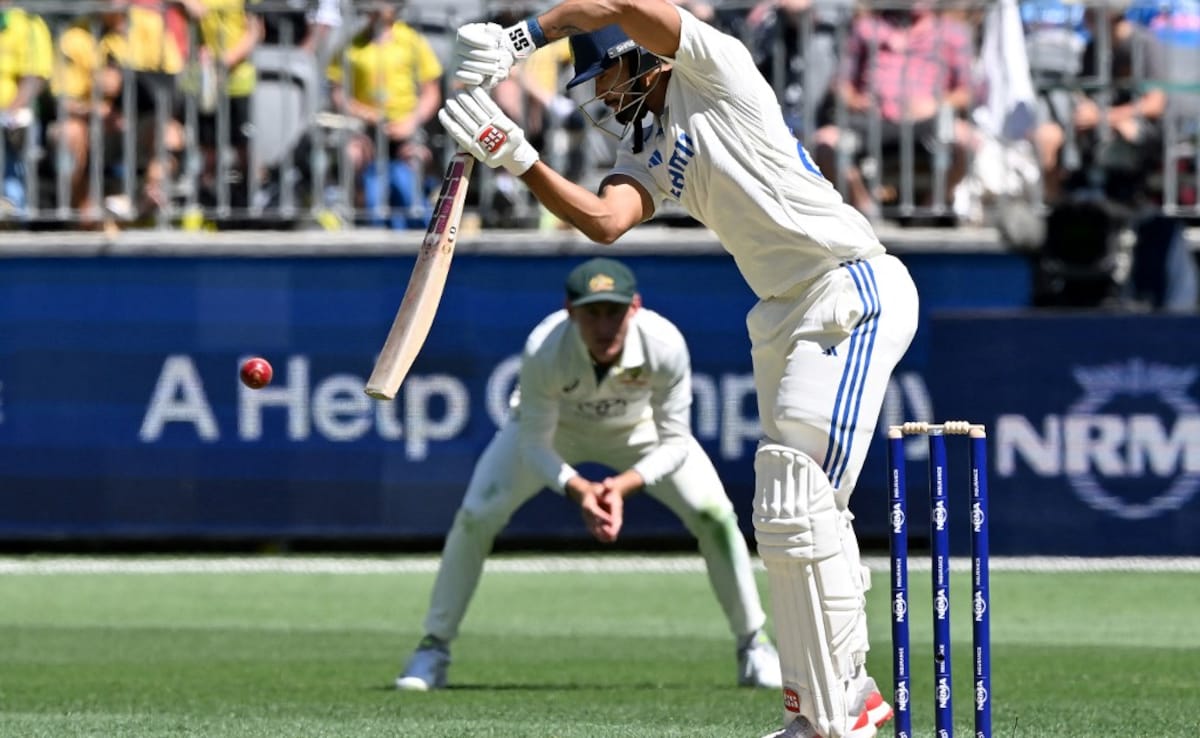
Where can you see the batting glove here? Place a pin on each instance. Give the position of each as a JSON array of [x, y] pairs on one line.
[[481, 129], [484, 52]]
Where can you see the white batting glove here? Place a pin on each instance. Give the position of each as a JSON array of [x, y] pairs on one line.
[[484, 52], [481, 129]]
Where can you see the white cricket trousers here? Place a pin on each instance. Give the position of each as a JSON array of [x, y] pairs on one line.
[[823, 356], [502, 482]]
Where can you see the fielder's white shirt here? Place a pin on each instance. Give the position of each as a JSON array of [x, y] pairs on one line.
[[558, 392], [723, 152]]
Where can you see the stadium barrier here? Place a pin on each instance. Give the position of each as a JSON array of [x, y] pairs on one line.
[[296, 167], [122, 418]]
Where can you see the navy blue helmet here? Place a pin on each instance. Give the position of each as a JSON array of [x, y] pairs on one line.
[[596, 51]]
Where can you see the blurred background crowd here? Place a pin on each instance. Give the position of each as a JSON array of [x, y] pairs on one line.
[[1066, 125]]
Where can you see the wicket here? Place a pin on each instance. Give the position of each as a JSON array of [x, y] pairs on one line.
[[939, 525]]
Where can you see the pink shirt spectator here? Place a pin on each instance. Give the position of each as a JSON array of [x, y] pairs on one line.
[[897, 64]]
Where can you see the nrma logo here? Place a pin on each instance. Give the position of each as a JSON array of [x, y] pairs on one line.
[[1129, 447]]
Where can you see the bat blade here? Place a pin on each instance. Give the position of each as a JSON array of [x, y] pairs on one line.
[[424, 292]]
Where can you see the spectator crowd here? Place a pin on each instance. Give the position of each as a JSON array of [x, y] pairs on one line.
[[119, 113]]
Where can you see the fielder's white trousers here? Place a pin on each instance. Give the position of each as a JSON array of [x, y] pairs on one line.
[[502, 482]]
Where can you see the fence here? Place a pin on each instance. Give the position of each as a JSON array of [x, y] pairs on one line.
[[183, 137]]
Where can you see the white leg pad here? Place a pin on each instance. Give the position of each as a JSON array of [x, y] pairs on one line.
[[816, 591], [860, 641]]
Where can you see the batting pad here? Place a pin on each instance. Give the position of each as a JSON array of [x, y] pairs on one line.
[[816, 591]]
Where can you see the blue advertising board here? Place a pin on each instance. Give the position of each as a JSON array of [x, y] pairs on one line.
[[121, 415], [1094, 426]]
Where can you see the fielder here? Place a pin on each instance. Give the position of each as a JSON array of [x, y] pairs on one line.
[[835, 312], [606, 381]]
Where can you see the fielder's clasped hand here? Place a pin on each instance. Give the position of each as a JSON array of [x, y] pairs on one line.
[[481, 129]]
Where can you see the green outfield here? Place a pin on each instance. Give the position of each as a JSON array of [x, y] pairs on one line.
[[311, 650]]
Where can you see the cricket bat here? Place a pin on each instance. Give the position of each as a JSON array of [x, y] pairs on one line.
[[420, 302]]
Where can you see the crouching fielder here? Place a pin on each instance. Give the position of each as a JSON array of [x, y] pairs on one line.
[[835, 313], [604, 381]]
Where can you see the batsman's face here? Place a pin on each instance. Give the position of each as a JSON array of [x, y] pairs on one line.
[[617, 90], [603, 327]]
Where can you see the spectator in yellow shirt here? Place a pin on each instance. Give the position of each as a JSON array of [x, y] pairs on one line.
[[25, 63], [133, 45], [393, 88], [228, 37]]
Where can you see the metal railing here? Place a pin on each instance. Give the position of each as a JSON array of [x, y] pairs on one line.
[[296, 166]]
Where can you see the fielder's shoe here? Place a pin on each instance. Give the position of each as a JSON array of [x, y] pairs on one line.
[[427, 666], [758, 662]]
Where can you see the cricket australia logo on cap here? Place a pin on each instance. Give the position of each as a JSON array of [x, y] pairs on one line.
[[601, 283], [492, 138]]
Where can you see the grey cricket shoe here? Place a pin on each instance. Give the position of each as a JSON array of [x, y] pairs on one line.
[[426, 667], [758, 663]]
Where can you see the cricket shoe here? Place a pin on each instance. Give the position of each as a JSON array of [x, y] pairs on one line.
[[758, 663], [869, 712], [427, 666], [801, 728], [869, 707]]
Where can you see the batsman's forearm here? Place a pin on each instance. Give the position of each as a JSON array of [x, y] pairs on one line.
[[579, 16], [654, 24], [576, 205]]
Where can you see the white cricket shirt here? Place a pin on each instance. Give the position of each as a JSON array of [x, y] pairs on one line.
[[558, 392], [722, 151]]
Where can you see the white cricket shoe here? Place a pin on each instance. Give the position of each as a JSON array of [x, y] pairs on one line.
[[868, 713], [798, 728], [869, 708], [801, 728], [427, 667], [758, 663]]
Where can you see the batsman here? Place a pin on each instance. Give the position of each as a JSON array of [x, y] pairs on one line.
[[835, 314]]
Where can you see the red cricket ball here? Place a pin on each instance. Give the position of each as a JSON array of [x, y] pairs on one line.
[[256, 373]]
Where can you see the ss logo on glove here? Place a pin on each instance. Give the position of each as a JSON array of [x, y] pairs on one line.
[[519, 38], [492, 138]]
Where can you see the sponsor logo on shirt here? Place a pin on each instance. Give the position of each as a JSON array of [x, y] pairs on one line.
[[685, 149]]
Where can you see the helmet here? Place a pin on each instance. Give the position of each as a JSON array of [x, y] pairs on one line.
[[596, 51]]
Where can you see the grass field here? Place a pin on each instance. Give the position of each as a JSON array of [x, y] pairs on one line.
[[179, 649]]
